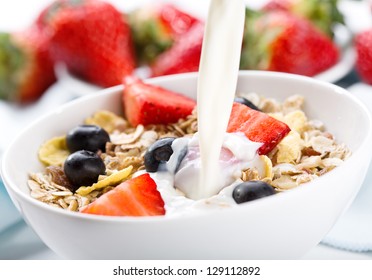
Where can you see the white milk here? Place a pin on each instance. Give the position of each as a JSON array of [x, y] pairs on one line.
[[237, 154], [177, 188], [218, 74]]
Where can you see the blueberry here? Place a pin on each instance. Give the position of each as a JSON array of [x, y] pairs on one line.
[[87, 137], [160, 151], [246, 102], [251, 190], [82, 168]]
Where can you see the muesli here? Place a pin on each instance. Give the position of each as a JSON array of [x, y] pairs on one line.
[[305, 153]]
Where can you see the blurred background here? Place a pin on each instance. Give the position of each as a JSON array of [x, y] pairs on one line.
[[42, 59]]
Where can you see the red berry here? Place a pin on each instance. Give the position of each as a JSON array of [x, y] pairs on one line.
[[183, 56], [363, 44], [26, 70], [280, 41], [257, 126], [149, 104], [135, 197], [92, 38]]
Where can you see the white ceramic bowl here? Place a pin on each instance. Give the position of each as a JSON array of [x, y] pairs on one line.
[[282, 226]]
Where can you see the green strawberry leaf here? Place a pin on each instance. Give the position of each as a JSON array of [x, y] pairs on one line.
[[256, 42], [323, 13], [11, 63]]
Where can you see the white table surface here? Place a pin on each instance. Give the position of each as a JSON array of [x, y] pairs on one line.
[[20, 242]]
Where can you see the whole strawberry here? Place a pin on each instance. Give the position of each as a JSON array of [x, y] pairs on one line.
[[26, 69], [155, 27], [92, 38], [280, 41], [183, 56], [363, 45], [323, 14]]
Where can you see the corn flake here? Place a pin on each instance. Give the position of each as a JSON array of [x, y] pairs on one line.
[[296, 120], [268, 167], [54, 151], [107, 120], [289, 149], [112, 180]]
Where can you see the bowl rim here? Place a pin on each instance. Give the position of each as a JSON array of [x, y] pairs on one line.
[[10, 185]]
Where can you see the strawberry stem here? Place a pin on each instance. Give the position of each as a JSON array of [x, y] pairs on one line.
[[56, 6], [255, 52], [149, 35], [323, 13]]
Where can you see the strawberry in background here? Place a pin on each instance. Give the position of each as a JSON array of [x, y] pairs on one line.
[[273, 40], [183, 56], [280, 41], [323, 14], [363, 46], [156, 27], [26, 69], [92, 38]]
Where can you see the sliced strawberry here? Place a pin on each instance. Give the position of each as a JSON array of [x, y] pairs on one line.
[[148, 104], [135, 197], [257, 126], [183, 56]]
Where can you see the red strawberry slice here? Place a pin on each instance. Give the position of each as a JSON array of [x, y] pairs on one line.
[[257, 126], [148, 104], [135, 197]]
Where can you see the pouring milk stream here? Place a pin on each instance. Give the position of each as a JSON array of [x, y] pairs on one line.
[[218, 73]]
